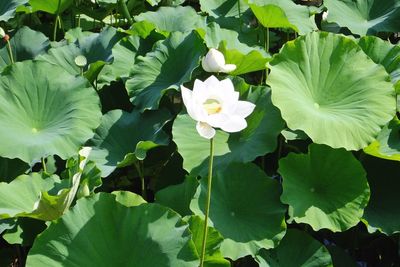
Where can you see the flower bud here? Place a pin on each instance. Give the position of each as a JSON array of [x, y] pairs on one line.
[[214, 61], [325, 15], [2, 33], [81, 61]]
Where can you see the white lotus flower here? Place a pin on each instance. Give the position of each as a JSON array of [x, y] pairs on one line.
[[215, 103], [214, 61]]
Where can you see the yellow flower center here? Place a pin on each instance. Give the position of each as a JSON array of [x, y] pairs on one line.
[[212, 106]]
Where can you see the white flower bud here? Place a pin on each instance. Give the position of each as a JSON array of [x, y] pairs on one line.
[[214, 61], [81, 61], [2, 33], [325, 15]]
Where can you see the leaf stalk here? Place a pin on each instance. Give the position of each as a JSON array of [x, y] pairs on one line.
[[208, 202], [10, 53]]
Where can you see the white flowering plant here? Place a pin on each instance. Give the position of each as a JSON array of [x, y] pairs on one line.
[[165, 133], [216, 104]]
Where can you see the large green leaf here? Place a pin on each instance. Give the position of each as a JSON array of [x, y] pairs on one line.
[[303, 250], [383, 211], [384, 53], [123, 135], [365, 16], [45, 111], [259, 138], [25, 44], [326, 188], [283, 14], [245, 209], [173, 19], [169, 65], [50, 6], [327, 87], [224, 8], [99, 231], [7, 8]]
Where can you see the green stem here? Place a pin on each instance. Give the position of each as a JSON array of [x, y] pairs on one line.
[[55, 29], [44, 165], [10, 53], [125, 11], [208, 201], [138, 166], [79, 20], [266, 44], [240, 15], [61, 24], [56, 21]]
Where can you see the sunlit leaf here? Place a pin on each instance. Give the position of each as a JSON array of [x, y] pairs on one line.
[[50, 6], [364, 17], [327, 87], [45, 111], [173, 19], [283, 14]]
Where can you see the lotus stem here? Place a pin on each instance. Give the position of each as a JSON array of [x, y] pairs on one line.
[[266, 49], [208, 202], [138, 166], [56, 21], [125, 11], [44, 165], [55, 29], [10, 53], [240, 15], [61, 24], [79, 20]]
